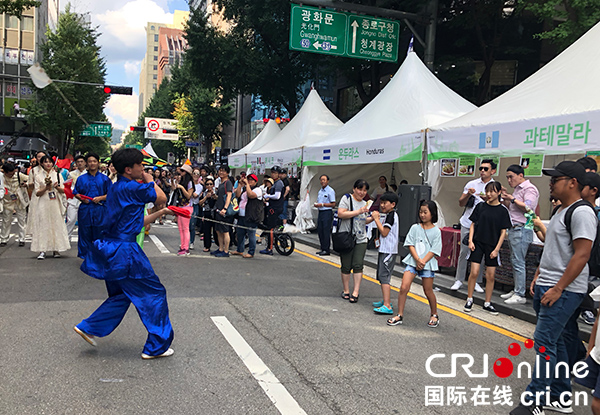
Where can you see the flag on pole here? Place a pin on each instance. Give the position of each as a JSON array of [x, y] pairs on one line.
[[188, 162], [149, 151], [411, 45]]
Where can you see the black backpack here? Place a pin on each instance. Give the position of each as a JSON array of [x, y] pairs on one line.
[[594, 261], [255, 209]]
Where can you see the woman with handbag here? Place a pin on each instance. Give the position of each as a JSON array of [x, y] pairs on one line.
[[185, 188], [46, 222], [352, 224]]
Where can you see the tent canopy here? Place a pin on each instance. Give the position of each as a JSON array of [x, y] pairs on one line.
[[390, 127], [238, 159], [555, 111], [311, 124]]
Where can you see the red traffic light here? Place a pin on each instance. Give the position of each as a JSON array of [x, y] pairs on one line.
[[121, 90], [136, 128], [107, 90]]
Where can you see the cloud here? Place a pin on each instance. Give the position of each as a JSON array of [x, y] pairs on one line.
[[132, 68], [122, 110], [123, 29]]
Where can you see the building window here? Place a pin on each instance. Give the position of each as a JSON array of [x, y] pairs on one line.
[[27, 23], [155, 67], [154, 76], [156, 38], [154, 86], [155, 57], [155, 48], [11, 22], [152, 28]]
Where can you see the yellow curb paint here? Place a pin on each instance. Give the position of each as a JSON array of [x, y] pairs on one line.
[[423, 300]]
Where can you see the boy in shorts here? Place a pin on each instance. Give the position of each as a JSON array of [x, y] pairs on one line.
[[388, 248]]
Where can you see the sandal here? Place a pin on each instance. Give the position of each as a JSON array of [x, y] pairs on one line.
[[345, 296], [353, 299], [394, 321], [206, 250], [434, 323]]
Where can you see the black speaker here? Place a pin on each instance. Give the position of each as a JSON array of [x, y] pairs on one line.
[[409, 197]]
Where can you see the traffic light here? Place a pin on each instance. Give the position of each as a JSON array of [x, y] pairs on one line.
[[136, 128], [121, 90], [169, 131]]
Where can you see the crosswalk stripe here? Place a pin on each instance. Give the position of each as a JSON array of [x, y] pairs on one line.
[[161, 247], [278, 394]]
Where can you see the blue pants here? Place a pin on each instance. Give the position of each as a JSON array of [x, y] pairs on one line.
[[284, 214], [193, 220], [519, 239], [324, 224], [149, 297], [241, 235], [86, 235], [552, 330]]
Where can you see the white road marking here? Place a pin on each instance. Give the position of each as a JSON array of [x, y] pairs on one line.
[[161, 247], [278, 394]]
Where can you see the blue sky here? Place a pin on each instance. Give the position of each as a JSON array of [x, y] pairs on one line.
[[123, 41]]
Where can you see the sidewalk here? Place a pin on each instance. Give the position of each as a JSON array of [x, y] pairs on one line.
[[443, 282]]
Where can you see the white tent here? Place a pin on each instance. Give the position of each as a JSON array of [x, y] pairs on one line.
[[238, 159], [389, 130], [311, 124], [554, 111]]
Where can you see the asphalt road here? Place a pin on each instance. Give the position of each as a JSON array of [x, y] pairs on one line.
[[324, 355]]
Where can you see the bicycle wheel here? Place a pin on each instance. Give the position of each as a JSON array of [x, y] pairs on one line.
[[284, 244]]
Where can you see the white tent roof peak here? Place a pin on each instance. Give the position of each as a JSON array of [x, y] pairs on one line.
[[413, 100], [566, 85], [266, 135], [311, 125]]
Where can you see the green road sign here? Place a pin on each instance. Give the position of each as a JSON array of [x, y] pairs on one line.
[[98, 130], [318, 31], [372, 38], [343, 34], [133, 146]]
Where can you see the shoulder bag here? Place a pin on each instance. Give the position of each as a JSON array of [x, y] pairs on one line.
[[344, 241]]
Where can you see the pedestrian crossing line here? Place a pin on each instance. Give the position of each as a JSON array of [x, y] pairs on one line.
[[423, 300], [161, 247], [278, 394]]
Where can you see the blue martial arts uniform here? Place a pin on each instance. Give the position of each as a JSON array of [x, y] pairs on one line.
[[90, 216], [121, 262]]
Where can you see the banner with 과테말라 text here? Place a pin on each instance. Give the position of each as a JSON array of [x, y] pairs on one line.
[[567, 134]]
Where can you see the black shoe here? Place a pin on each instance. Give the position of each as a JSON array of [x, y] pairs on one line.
[[21, 243], [2, 243], [318, 252], [527, 410], [323, 253], [556, 406], [490, 309]]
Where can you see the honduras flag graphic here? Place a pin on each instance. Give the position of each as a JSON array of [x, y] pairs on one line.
[[487, 141]]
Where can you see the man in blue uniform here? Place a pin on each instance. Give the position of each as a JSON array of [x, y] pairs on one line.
[[90, 216], [119, 260]]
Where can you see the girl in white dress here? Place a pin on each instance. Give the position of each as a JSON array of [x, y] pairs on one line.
[[46, 224]]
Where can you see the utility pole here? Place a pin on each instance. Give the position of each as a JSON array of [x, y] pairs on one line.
[[430, 31]]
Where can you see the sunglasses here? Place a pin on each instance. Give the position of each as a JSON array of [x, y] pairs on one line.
[[482, 168], [554, 180]]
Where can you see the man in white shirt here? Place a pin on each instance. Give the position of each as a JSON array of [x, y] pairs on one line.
[[475, 189]]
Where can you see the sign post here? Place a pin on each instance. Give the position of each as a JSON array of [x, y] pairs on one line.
[[155, 127], [97, 129], [343, 34]]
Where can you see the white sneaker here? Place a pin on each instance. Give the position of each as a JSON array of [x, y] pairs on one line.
[[457, 284], [168, 353], [508, 295], [478, 288], [191, 247], [42, 255], [515, 299]]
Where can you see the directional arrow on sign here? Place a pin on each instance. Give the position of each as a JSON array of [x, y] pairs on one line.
[[317, 45], [354, 30]]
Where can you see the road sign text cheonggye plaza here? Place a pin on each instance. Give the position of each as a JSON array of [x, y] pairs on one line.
[[343, 34], [155, 127]]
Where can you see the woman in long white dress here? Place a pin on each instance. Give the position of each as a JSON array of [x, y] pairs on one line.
[[46, 224]]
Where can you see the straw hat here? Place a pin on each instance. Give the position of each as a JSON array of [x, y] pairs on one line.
[[187, 168]]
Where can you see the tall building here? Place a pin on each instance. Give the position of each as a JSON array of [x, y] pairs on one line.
[[171, 47], [149, 80], [21, 40]]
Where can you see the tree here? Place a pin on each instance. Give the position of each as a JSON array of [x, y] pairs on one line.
[[98, 145], [16, 7], [71, 53], [573, 17]]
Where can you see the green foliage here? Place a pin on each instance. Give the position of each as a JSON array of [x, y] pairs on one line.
[[98, 145], [71, 53], [16, 7], [573, 18]]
